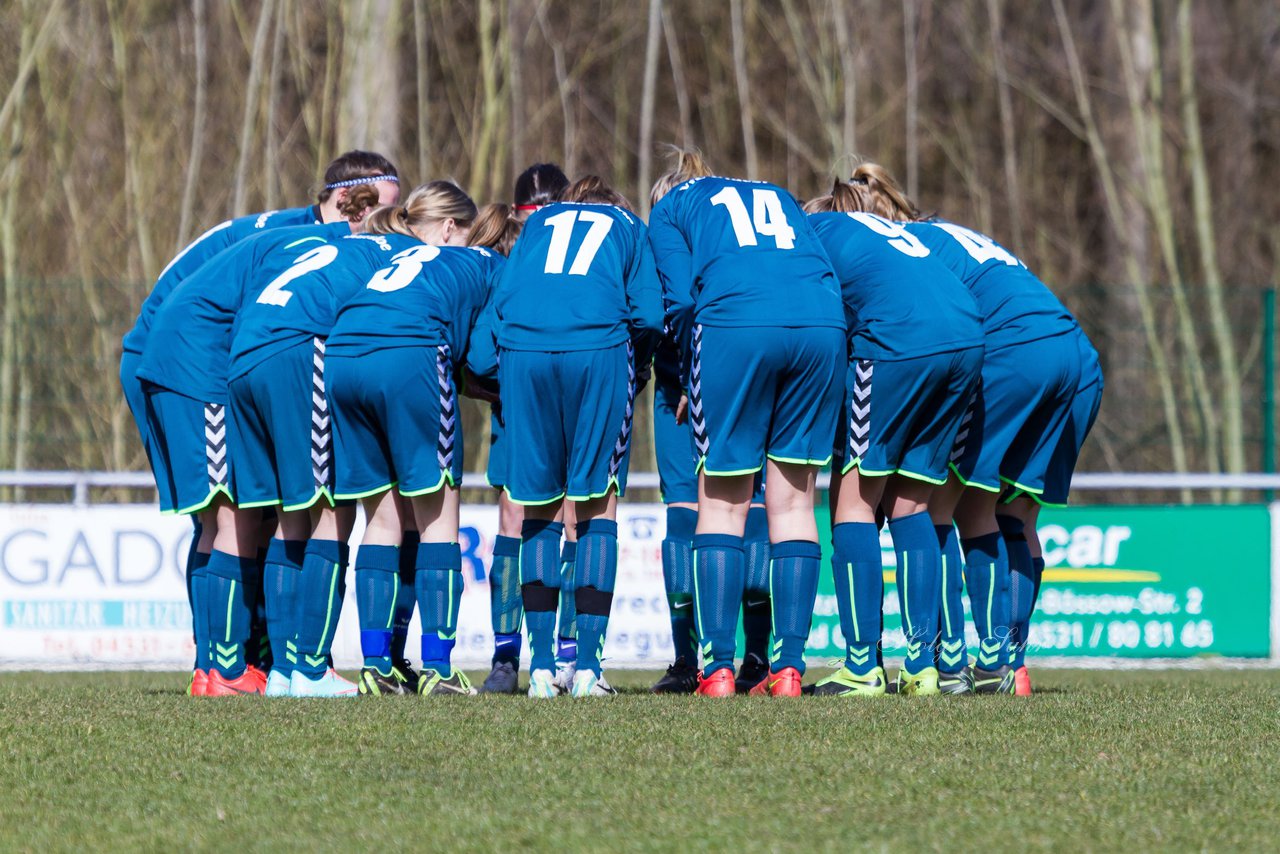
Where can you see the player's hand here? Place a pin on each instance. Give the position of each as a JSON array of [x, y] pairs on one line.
[[476, 389], [643, 375], [682, 409]]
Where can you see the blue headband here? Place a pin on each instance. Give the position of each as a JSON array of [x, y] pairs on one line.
[[368, 179]]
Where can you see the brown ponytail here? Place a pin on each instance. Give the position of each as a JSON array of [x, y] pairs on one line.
[[496, 228], [688, 165], [843, 198], [592, 190], [357, 201], [886, 195]]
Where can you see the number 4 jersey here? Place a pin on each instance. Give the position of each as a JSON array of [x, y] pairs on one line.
[[740, 253]]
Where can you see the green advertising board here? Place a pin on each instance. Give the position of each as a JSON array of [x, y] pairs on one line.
[[1132, 582]]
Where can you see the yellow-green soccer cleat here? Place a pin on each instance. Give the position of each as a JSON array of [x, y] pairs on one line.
[[845, 683], [374, 684], [922, 684], [433, 682]]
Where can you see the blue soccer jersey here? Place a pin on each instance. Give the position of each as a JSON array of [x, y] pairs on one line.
[[1016, 306], [580, 277], [740, 253], [303, 302], [199, 251], [900, 302], [189, 347]]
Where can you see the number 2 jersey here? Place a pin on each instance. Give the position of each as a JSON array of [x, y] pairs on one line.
[[740, 253], [200, 250], [424, 296], [900, 302], [189, 347], [580, 277]]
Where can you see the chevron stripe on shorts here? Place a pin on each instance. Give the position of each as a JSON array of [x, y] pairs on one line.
[[624, 434], [962, 435], [321, 430], [860, 410], [697, 416], [215, 444], [448, 409]]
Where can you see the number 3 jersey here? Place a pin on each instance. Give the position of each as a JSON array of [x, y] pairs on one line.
[[740, 253], [189, 347], [423, 295], [580, 277], [900, 302]]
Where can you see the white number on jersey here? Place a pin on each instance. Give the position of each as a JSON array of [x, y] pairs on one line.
[[562, 230], [980, 248], [307, 262], [899, 238], [405, 267], [767, 217]]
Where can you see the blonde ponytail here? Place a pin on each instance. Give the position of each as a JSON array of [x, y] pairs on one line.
[[886, 195], [688, 165], [431, 202]]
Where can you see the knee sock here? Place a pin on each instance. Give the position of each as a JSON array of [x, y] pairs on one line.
[[793, 586], [1021, 581], [198, 584], [951, 644], [228, 610], [597, 569], [192, 551], [567, 634], [406, 597], [505, 607], [1020, 651], [439, 587], [319, 605], [280, 575], [257, 650], [540, 587], [677, 577], [718, 573], [919, 581], [377, 592], [755, 598], [859, 582], [986, 572]]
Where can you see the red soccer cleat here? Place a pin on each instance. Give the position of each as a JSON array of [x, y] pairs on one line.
[[784, 683], [719, 684], [220, 686], [257, 674], [196, 687], [1022, 682]]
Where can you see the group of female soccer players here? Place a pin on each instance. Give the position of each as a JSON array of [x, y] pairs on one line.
[[291, 364]]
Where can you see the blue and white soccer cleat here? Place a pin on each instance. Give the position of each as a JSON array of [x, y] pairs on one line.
[[587, 684], [277, 684], [565, 672], [329, 685], [542, 685]]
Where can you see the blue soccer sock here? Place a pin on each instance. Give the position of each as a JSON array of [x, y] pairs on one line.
[[597, 568], [1037, 573], [319, 605], [193, 549], [952, 656], [257, 650], [377, 589], [677, 577], [406, 597], [198, 584], [859, 582], [540, 587], [567, 634], [718, 574], [919, 580], [1022, 583], [280, 574], [986, 572], [505, 606], [439, 587], [756, 611], [793, 585], [228, 611]]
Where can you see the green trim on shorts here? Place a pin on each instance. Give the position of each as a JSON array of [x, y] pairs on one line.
[[322, 492], [922, 477], [795, 462], [852, 464], [356, 496], [251, 505], [445, 477], [702, 469], [969, 484], [537, 503], [213, 493], [1029, 490], [613, 484]]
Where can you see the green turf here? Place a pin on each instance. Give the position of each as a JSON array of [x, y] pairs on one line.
[[1096, 760]]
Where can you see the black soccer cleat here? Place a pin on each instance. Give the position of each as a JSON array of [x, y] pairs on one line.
[[373, 684], [680, 678], [956, 683], [502, 679], [998, 681], [753, 671]]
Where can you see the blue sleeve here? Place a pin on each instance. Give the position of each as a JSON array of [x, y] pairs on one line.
[[674, 262], [482, 346], [644, 299]]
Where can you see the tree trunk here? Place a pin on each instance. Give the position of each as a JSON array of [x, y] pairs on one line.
[[744, 90], [199, 110], [647, 99], [253, 87]]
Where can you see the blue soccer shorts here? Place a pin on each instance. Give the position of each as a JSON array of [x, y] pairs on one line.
[[136, 399], [283, 436], [902, 416], [1018, 415], [395, 422], [567, 417], [757, 392], [674, 448], [496, 469], [1062, 461], [191, 456]]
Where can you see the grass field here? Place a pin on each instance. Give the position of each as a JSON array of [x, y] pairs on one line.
[[1094, 761]]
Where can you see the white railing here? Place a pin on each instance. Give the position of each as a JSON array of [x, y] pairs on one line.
[[78, 483]]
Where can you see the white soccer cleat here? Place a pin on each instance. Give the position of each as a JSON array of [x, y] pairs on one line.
[[542, 685], [565, 671], [277, 684], [587, 684], [329, 685]]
